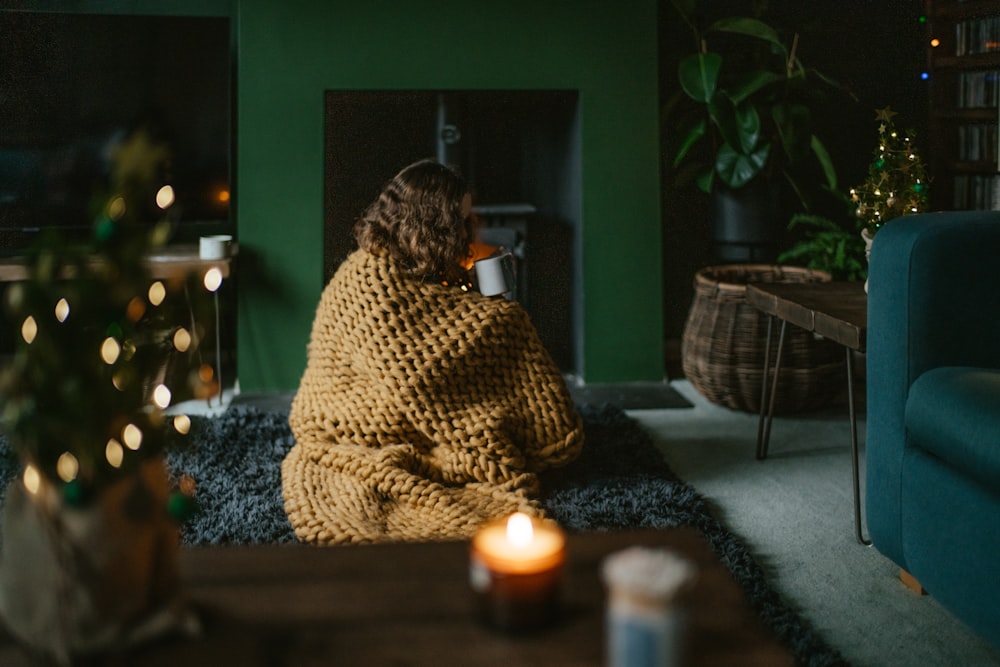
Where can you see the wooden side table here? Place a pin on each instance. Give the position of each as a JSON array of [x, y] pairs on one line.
[[835, 310]]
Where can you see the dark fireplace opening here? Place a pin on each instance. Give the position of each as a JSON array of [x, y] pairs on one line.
[[520, 151]]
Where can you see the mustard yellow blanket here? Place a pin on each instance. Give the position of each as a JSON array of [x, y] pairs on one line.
[[423, 411]]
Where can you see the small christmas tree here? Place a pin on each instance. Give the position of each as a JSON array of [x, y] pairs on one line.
[[896, 183], [103, 349]]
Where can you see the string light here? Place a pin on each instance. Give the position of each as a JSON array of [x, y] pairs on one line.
[[32, 479], [213, 279], [135, 309], [161, 396], [182, 424], [121, 379], [116, 208], [114, 453], [157, 293], [165, 197], [182, 339], [67, 467], [62, 310], [29, 329], [132, 437], [110, 349]]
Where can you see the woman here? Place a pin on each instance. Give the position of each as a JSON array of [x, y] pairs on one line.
[[425, 409]]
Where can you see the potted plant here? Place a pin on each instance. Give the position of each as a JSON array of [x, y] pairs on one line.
[[745, 110], [90, 528], [828, 241], [827, 245], [896, 184]]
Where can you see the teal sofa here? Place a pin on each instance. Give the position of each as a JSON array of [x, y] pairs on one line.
[[933, 408]]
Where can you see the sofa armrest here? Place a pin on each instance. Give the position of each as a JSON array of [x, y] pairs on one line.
[[933, 300]]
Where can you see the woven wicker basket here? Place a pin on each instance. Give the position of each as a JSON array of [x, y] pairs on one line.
[[722, 350]]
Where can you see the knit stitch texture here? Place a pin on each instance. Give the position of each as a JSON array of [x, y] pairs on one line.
[[423, 411]]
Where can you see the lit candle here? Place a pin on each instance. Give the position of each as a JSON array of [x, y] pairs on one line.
[[514, 569]]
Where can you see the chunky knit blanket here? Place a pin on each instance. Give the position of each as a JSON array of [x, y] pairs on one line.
[[424, 410]]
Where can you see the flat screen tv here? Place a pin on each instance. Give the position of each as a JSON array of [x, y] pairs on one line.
[[73, 85]]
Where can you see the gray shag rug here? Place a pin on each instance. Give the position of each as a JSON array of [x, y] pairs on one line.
[[619, 482]]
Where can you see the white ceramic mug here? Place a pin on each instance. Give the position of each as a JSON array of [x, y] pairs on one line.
[[215, 247], [496, 274]]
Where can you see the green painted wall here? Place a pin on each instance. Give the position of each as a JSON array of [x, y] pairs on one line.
[[291, 52]]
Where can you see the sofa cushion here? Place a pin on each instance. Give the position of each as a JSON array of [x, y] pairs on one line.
[[954, 414]]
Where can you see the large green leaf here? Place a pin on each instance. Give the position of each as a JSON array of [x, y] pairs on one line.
[[739, 125], [794, 124], [689, 140], [699, 75], [736, 169], [819, 150], [757, 80], [748, 27], [748, 123]]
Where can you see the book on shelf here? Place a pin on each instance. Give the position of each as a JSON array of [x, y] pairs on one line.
[[978, 89], [979, 35], [977, 143], [977, 192]]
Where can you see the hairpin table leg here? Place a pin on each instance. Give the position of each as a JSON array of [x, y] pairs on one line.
[[766, 400]]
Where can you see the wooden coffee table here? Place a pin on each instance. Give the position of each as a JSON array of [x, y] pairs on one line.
[[410, 604], [834, 310]]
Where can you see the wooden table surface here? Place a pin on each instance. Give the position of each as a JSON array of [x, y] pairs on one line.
[[835, 310], [410, 604], [166, 262]]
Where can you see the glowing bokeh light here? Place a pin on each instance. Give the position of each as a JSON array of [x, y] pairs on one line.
[[67, 467], [132, 437], [62, 310], [213, 279], [182, 339], [29, 329], [182, 424], [114, 453], [157, 293], [135, 309], [206, 373], [165, 197], [161, 396], [116, 208], [32, 480], [110, 349]]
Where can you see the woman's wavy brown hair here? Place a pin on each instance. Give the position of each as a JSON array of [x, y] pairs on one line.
[[417, 220]]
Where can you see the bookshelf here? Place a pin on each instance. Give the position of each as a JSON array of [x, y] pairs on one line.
[[963, 59]]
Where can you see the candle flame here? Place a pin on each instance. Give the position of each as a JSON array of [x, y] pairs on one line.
[[520, 532]]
